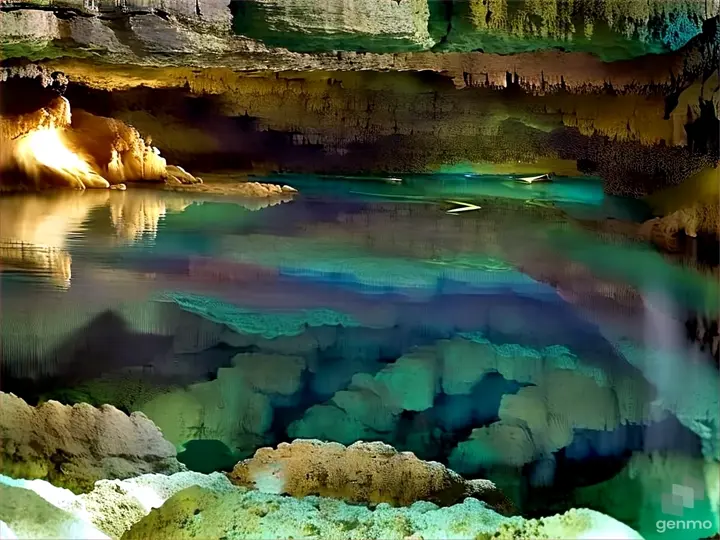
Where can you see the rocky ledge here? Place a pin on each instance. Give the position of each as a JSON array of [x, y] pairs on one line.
[[366, 473], [192, 505], [75, 446]]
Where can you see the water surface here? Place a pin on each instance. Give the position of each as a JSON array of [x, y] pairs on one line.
[[518, 341]]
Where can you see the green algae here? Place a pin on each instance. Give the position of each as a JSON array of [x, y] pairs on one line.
[[37, 50]]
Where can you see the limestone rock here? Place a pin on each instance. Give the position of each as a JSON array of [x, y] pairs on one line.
[[75, 446], [699, 218], [338, 24], [112, 507], [541, 419], [364, 472], [118, 151], [26, 514], [180, 175], [372, 404], [191, 505], [202, 513]]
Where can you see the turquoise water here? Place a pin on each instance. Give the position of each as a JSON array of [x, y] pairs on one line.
[[517, 342]]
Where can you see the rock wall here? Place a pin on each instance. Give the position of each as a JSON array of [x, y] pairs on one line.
[[611, 29], [186, 505], [641, 122], [345, 122]]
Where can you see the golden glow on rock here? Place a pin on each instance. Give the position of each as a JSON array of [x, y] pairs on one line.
[[46, 148], [80, 150]]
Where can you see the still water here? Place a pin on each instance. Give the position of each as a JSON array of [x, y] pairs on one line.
[[534, 340]]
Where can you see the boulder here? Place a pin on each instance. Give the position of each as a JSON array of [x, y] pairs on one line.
[[75, 446], [364, 472]]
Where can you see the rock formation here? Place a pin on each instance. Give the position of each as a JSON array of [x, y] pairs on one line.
[[692, 208], [400, 86], [111, 508], [27, 514], [201, 512], [185, 504], [53, 146], [365, 473], [75, 446]]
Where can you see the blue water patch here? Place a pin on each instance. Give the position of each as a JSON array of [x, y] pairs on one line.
[[429, 187], [451, 281]]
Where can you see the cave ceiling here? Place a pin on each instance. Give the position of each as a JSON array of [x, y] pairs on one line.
[[610, 87]]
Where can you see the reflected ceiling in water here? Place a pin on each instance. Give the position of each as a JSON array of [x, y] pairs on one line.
[[36, 229]]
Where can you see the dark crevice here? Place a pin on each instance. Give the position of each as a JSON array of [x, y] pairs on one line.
[[126, 36]]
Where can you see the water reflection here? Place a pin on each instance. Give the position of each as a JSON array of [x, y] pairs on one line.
[[34, 231], [37, 229], [513, 342]]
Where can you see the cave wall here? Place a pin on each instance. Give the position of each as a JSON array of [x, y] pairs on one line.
[[612, 29], [375, 122], [392, 86]]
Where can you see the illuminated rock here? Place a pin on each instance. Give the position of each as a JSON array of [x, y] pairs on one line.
[[192, 504], [552, 111], [55, 115], [26, 514], [82, 151], [365, 473]]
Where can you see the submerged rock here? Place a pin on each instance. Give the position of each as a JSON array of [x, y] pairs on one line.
[[75, 446], [364, 472], [236, 408]]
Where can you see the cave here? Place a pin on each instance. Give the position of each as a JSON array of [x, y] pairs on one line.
[[359, 269]]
